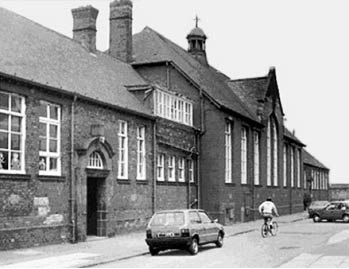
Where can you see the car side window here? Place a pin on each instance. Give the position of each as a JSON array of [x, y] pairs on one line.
[[204, 217], [331, 207], [194, 218]]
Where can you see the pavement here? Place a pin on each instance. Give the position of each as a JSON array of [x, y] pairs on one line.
[[97, 250]]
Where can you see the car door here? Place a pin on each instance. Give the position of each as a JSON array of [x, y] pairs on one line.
[[329, 212], [195, 225], [211, 229]]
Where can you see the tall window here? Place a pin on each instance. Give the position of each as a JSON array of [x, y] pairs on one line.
[[305, 180], [243, 155], [285, 167], [292, 166], [50, 138], [141, 163], [191, 170], [275, 153], [171, 168], [269, 154], [95, 161], [173, 107], [12, 133], [256, 157], [228, 153], [160, 168], [181, 169], [123, 151], [298, 154]]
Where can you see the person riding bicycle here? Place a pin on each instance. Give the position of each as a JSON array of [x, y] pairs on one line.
[[266, 209]]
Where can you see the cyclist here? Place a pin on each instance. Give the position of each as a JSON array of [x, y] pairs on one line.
[[266, 209]]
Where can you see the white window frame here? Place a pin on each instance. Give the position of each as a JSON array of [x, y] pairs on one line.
[[181, 169], [22, 134], [191, 171], [160, 167], [141, 153], [123, 152], [171, 168], [47, 154], [275, 154], [172, 107], [228, 153], [95, 161], [268, 154], [292, 166], [256, 159], [285, 166], [243, 155], [298, 168]]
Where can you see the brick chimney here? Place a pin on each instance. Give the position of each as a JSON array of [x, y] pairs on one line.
[[120, 39], [84, 26]]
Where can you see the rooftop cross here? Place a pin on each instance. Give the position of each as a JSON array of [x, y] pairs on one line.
[[196, 21]]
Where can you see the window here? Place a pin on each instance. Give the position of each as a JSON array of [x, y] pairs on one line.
[[123, 151], [194, 218], [243, 155], [285, 166], [269, 154], [298, 168], [204, 218], [173, 107], [160, 167], [181, 167], [191, 170], [141, 163], [256, 157], [275, 153], [292, 166], [95, 161], [50, 137], [12, 133], [171, 168], [228, 153]]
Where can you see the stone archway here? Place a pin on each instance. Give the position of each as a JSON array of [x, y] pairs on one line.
[[92, 173]]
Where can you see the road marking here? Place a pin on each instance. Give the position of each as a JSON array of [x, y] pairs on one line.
[[63, 261], [338, 237], [303, 260]]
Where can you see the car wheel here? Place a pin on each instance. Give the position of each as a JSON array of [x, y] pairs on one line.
[[153, 251], [346, 218], [194, 246], [219, 242], [316, 218]]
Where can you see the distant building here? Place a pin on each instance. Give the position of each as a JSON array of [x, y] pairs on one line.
[[339, 191], [316, 178]]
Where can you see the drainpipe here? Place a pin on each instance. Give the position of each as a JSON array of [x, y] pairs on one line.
[[72, 174], [202, 131], [154, 169], [198, 169]]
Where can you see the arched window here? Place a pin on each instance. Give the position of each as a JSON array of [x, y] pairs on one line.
[[268, 154], [272, 153], [275, 153], [95, 161]]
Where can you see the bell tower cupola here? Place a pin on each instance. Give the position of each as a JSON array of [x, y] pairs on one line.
[[197, 43]]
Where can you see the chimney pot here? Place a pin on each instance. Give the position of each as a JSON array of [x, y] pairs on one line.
[[84, 26]]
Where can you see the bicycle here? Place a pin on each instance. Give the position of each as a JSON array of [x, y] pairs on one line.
[[266, 229]]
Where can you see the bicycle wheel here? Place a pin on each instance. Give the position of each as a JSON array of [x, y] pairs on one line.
[[264, 230], [274, 228]]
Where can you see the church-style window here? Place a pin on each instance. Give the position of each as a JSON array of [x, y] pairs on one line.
[[12, 133], [95, 161]]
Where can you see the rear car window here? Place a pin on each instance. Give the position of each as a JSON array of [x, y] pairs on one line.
[[168, 219]]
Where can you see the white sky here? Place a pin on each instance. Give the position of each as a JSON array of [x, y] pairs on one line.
[[307, 42]]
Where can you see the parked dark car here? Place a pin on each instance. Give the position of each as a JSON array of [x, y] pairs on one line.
[[337, 210], [316, 205], [182, 229]]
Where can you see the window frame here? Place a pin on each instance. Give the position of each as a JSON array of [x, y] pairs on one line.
[[171, 168], [181, 169], [141, 153], [228, 152], [244, 153], [123, 136], [160, 166], [256, 157], [47, 154], [22, 133], [96, 159]]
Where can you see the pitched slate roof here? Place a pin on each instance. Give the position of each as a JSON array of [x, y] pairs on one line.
[[151, 47], [250, 90], [290, 135], [311, 160], [34, 53]]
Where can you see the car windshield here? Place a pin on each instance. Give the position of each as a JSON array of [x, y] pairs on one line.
[[168, 219]]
